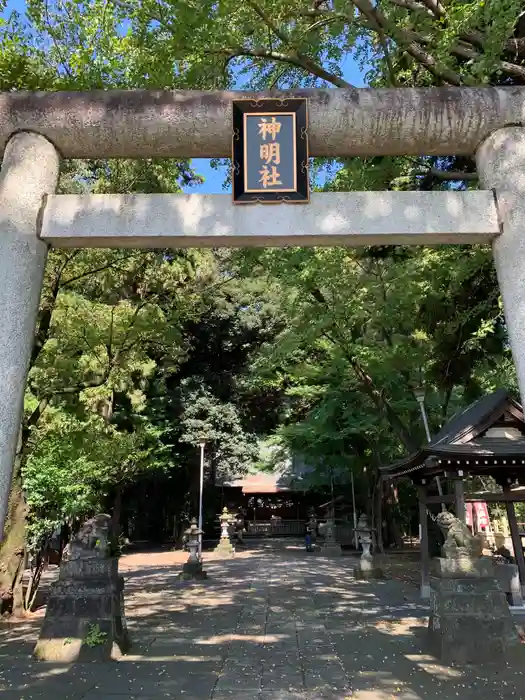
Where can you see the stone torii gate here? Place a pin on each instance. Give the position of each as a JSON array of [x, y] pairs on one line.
[[38, 129]]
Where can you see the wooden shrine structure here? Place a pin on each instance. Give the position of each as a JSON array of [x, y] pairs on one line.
[[486, 439], [273, 503]]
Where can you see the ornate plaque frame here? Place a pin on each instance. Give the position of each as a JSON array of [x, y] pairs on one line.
[[296, 191]]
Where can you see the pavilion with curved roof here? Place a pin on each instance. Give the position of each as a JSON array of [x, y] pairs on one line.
[[485, 439]]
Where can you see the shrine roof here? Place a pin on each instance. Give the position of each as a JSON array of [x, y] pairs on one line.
[[463, 442], [262, 482]]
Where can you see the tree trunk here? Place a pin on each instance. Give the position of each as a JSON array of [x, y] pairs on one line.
[[37, 570], [378, 513], [12, 549], [116, 514], [390, 503], [18, 609]]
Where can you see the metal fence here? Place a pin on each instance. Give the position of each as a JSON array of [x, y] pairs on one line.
[[274, 528]]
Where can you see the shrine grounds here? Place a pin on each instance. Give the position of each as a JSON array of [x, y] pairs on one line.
[[274, 623]]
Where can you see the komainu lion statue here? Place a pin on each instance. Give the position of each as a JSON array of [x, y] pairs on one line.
[[459, 541], [91, 540]]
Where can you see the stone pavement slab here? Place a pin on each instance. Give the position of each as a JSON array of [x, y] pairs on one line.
[[273, 624]]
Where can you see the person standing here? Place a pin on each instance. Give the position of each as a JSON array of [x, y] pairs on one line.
[[308, 538]]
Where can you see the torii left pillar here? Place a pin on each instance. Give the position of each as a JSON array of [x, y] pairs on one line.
[[30, 170]]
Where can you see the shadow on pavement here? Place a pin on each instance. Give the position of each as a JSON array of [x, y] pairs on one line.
[[276, 624]]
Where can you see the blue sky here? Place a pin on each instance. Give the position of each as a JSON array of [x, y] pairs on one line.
[[215, 178]]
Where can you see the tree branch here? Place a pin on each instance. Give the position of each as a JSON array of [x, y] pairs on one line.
[[282, 36], [463, 51], [414, 5], [407, 43], [31, 421], [371, 14], [437, 10], [295, 58], [302, 62], [450, 176], [106, 266], [46, 313]]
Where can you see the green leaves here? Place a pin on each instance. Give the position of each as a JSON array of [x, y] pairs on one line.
[[229, 446]]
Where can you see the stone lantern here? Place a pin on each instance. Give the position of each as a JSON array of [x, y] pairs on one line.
[[331, 546], [225, 547], [367, 567], [193, 566]]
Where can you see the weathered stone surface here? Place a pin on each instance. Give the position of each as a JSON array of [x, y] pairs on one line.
[[88, 568], [501, 165], [368, 569], [84, 625], [91, 541], [508, 578], [192, 569], [331, 549], [85, 614], [192, 124], [331, 218], [463, 567], [368, 566], [224, 548], [459, 541], [29, 172], [470, 621]]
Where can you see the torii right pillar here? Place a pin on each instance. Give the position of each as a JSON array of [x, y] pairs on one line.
[[501, 166], [500, 162]]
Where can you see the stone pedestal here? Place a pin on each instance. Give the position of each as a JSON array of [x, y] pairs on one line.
[[85, 614], [368, 566], [331, 548], [470, 621], [192, 569], [508, 578], [225, 547]]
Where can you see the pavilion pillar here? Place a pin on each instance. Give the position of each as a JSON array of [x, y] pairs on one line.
[[516, 539], [29, 171], [423, 542], [459, 500], [500, 161]]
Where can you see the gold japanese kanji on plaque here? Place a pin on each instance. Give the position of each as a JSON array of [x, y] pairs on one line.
[[270, 151]]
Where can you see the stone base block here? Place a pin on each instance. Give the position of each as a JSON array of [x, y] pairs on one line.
[[508, 578], [470, 621], [197, 576], [463, 567], [79, 639], [192, 570], [368, 568], [224, 548], [331, 550], [102, 570], [84, 621]]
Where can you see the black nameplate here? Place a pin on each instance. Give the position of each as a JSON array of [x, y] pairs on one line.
[[270, 151]]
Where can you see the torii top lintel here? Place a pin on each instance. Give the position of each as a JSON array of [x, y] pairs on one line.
[[186, 124]]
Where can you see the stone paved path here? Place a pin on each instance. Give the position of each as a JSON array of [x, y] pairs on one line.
[[274, 624]]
